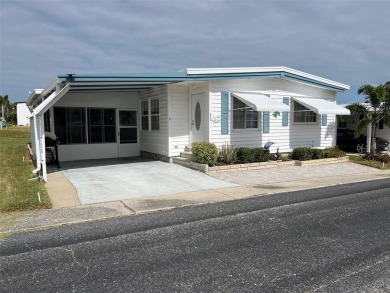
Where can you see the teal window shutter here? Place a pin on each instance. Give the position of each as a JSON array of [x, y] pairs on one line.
[[324, 119], [225, 112], [265, 122], [286, 101]]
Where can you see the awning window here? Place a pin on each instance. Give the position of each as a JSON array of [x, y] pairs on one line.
[[259, 102], [321, 106]]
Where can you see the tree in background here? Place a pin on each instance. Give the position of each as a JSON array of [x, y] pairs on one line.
[[387, 88], [8, 110], [376, 108], [4, 104], [10, 113]]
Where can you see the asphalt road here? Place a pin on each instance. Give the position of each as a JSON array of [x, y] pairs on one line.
[[325, 240]]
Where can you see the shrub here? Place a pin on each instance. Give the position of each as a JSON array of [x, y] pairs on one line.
[[384, 158], [261, 155], [205, 153], [333, 152], [302, 154], [245, 155], [227, 154], [317, 154]]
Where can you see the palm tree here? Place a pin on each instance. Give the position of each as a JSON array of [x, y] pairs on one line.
[[4, 105], [387, 88], [10, 113], [374, 109]]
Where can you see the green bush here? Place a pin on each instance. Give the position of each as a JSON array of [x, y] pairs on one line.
[[246, 155], [317, 154], [302, 154], [204, 153], [333, 152], [261, 155], [227, 154], [306, 153]]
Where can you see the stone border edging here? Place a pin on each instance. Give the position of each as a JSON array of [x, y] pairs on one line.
[[257, 166]]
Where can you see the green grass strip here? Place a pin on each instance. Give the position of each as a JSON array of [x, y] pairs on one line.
[[17, 192]]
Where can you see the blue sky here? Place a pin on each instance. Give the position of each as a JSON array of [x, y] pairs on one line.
[[343, 40]]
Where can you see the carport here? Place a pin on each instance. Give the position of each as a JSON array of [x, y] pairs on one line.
[[127, 178]]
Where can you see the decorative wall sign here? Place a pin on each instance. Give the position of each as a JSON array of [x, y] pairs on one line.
[[215, 118]]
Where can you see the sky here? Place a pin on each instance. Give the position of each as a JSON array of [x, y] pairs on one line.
[[343, 40]]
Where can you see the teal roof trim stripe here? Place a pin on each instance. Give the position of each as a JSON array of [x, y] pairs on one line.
[[311, 81], [173, 77]]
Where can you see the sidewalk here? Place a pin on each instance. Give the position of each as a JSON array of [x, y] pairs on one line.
[[256, 184]]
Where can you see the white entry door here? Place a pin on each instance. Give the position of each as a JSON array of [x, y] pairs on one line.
[[198, 117], [128, 138]]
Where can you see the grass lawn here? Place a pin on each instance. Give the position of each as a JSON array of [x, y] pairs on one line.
[[369, 163], [17, 192]]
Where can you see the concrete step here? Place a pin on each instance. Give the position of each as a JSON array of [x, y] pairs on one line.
[[180, 160], [187, 155]]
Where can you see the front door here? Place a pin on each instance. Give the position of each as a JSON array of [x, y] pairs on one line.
[[128, 143], [198, 118]]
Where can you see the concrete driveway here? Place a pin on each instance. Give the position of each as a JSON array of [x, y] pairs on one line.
[[117, 179]]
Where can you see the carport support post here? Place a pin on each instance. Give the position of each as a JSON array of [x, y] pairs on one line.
[[43, 147], [368, 144]]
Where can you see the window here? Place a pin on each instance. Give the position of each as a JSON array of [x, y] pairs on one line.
[[303, 114], [70, 125], [243, 116], [101, 125], [145, 115], [150, 114], [155, 114]]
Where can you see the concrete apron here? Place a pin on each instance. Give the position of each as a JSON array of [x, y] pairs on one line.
[[98, 181], [64, 195], [143, 182]]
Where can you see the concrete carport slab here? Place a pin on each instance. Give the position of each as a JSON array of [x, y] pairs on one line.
[[118, 179]]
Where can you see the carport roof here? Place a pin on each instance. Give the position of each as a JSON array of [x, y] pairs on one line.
[[144, 81]]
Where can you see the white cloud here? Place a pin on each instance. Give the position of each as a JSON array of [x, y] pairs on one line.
[[341, 40]]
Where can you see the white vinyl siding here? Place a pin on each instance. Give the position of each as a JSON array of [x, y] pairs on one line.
[[286, 137], [22, 114], [156, 141], [179, 137]]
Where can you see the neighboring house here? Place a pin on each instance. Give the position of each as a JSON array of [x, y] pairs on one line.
[[22, 114], [351, 121], [159, 115]]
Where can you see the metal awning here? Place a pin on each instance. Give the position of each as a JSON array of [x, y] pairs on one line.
[[321, 106], [259, 102]]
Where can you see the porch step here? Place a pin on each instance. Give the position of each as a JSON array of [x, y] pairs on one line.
[[181, 160], [187, 155]]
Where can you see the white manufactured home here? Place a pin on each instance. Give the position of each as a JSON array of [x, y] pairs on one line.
[[22, 114], [159, 115]]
